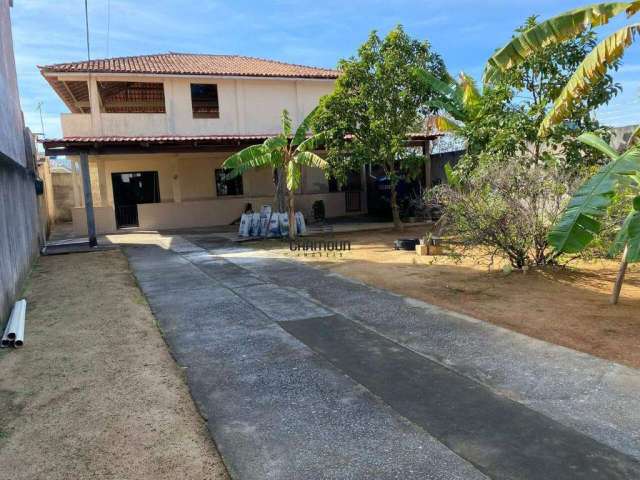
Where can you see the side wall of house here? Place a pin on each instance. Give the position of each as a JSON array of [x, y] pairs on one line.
[[18, 205]]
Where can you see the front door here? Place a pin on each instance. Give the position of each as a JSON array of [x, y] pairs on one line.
[[131, 189]]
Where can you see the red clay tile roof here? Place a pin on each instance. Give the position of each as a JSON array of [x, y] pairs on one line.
[[194, 64]]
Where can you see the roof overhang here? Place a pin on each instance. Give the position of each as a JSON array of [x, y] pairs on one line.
[[118, 145]]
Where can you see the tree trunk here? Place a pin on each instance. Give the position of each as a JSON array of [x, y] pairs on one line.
[[292, 216], [620, 277], [395, 210], [279, 200]]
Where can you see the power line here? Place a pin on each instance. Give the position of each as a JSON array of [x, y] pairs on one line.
[[86, 22], [108, 24]]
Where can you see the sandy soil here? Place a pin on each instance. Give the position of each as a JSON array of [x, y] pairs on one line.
[[94, 393], [567, 306]]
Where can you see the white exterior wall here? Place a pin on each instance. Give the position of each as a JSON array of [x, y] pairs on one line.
[[11, 122], [247, 106]]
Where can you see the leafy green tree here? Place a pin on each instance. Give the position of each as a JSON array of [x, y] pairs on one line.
[[377, 102], [582, 219], [513, 107], [536, 39], [283, 153]]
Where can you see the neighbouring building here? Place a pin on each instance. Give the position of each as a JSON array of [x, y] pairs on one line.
[[157, 128], [20, 232]]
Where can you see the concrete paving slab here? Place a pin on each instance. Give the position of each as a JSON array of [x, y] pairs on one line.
[[277, 411], [501, 437], [227, 359], [595, 396], [281, 305]]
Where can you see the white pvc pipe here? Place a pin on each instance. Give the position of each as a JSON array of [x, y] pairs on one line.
[[6, 341], [18, 339], [15, 325]]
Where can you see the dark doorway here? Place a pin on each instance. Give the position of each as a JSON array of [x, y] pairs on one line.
[[131, 189]]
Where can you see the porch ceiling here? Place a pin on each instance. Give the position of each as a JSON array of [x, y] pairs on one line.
[[114, 145]]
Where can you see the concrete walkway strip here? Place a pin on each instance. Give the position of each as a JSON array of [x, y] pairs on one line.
[[275, 409], [502, 438], [596, 397], [305, 374]]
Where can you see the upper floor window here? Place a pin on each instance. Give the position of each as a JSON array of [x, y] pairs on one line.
[[131, 97], [227, 186], [204, 100]]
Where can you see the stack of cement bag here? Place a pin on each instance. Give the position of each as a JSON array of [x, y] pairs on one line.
[[14, 332], [269, 224]]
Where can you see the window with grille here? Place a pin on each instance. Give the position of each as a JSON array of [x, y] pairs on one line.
[[204, 100], [225, 185], [131, 97]]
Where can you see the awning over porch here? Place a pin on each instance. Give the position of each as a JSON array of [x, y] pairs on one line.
[[114, 145]]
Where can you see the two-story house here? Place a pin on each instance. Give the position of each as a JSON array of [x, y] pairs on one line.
[[155, 130]]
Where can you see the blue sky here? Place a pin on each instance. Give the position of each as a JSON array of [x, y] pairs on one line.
[[464, 32]]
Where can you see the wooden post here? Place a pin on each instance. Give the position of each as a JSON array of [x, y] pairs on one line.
[[88, 200], [620, 277], [427, 165]]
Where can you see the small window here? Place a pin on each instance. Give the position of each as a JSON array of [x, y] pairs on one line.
[[226, 186], [204, 100]]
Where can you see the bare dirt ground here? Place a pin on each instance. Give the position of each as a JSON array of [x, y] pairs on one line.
[[566, 306], [94, 392]]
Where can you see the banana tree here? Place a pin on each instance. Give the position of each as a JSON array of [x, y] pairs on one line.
[[460, 100], [561, 28], [582, 218], [285, 153]]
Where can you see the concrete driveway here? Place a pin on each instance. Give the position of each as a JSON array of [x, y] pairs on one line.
[[303, 374]]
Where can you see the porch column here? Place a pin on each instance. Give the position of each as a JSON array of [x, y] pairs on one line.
[[427, 164], [88, 200], [77, 202], [102, 182], [175, 180]]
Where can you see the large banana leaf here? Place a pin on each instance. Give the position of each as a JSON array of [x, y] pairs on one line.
[[255, 156], [591, 69], [444, 124], [303, 128], [294, 176], [310, 159], [581, 219], [629, 235], [552, 31], [314, 142]]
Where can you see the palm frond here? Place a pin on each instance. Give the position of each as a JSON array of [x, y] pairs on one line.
[[580, 221], [310, 159], [594, 141], [303, 128], [629, 236], [555, 30], [590, 70], [254, 156], [633, 138], [314, 142], [444, 124], [285, 121], [294, 176]]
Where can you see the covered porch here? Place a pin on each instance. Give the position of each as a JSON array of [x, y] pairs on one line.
[[174, 182], [158, 183]]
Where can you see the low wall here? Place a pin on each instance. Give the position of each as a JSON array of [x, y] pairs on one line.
[[105, 220], [200, 213], [204, 213], [62, 196], [19, 230]]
